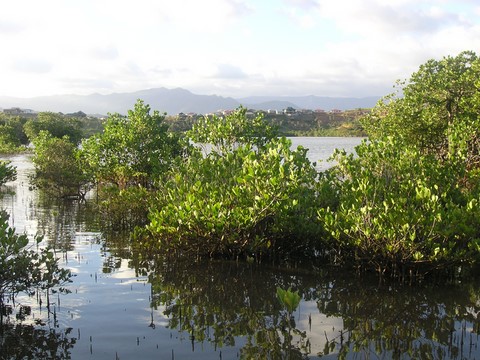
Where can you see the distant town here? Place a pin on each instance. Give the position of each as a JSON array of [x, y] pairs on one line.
[[16, 111], [290, 121]]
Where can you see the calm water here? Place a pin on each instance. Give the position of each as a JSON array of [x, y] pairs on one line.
[[123, 307], [320, 149]]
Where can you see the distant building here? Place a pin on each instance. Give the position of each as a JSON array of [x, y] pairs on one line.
[[181, 116], [18, 111], [305, 111], [13, 111]]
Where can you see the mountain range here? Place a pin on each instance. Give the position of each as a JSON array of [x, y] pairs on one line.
[[174, 101]]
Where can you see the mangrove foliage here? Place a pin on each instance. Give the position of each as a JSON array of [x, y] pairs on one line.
[[407, 201]]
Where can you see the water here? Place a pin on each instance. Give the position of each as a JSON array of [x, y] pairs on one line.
[[124, 307], [321, 148]]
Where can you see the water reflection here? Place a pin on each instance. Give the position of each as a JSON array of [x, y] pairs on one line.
[[234, 304], [403, 321], [60, 220], [32, 342], [227, 304]]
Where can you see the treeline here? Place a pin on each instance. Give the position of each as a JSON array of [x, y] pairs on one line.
[[407, 202], [294, 122], [17, 132]]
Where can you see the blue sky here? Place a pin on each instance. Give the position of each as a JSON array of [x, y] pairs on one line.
[[227, 47]]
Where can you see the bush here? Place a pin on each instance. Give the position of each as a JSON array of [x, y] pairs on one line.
[[56, 124], [440, 96], [59, 167], [410, 198], [123, 209], [7, 172], [132, 150], [399, 207], [249, 195], [126, 160]]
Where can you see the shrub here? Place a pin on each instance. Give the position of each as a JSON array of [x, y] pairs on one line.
[[399, 207], [7, 172], [249, 195], [59, 167]]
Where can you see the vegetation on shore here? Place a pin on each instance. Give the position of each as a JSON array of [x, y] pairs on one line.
[[17, 132], [407, 202], [290, 122]]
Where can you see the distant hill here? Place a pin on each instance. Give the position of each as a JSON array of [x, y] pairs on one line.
[[174, 101]]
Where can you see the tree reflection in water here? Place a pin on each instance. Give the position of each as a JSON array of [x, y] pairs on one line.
[[404, 321], [221, 302], [23, 335], [60, 220], [235, 304], [22, 341]]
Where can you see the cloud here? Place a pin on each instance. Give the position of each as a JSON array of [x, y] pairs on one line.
[[300, 17], [108, 52], [228, 71], [162, 71], [10, 27], [31, 65], [240, 8], [304, 4], [231, 47], [79, 84], [203, 16], [389, 18]]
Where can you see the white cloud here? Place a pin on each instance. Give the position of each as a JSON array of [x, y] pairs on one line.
[[107, 52], [192, 15], [302, 18], [228, 47], [386, 18], [303, 4], [31, 65], [227, 71], [10, 27]]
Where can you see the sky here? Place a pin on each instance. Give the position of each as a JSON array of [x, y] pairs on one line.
[[238, 48]]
